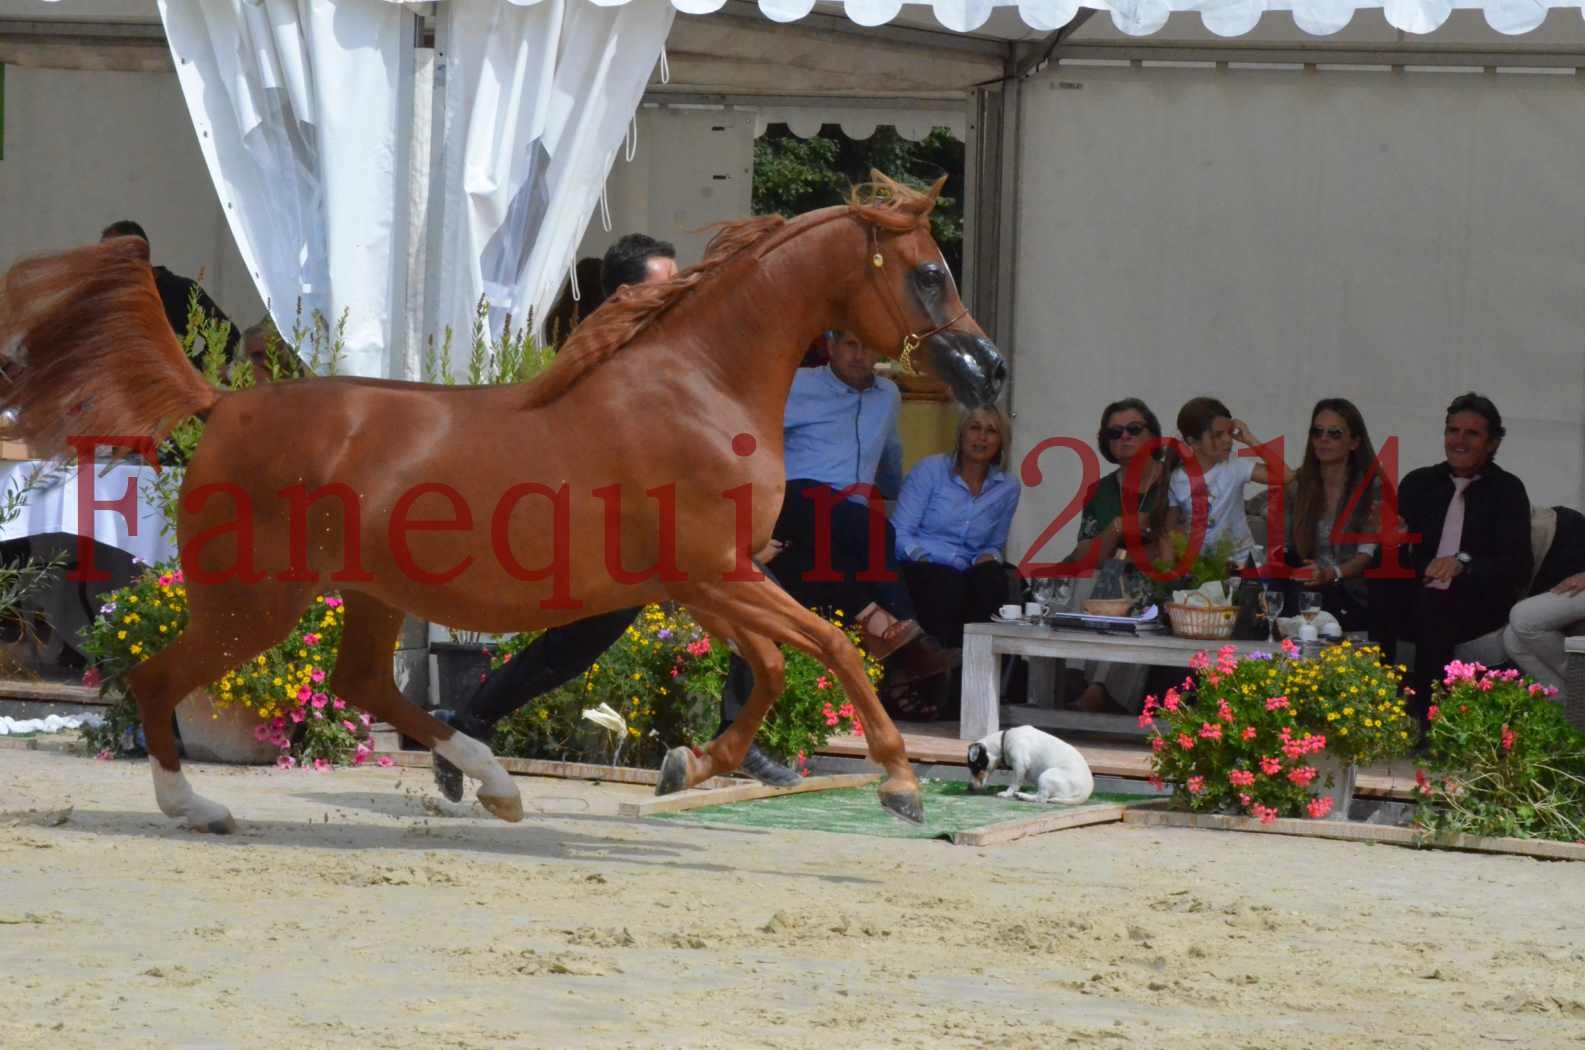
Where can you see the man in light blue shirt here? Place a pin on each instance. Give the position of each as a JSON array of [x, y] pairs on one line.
[[840, 445]]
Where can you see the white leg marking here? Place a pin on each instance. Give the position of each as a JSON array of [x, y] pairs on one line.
[[177, 799], [475, 759]]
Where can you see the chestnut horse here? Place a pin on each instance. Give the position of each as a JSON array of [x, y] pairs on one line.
[[642, 466]]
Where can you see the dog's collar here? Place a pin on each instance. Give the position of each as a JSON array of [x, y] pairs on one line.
[[1001, 755]]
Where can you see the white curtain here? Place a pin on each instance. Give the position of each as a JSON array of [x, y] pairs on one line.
[[538, 101], [295, 103]]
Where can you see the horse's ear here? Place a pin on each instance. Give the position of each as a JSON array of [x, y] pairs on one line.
[[935, 191]]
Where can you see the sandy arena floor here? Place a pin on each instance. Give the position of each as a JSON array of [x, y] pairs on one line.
[[355, 910]]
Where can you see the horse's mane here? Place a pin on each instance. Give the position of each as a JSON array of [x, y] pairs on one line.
[[621, 318]]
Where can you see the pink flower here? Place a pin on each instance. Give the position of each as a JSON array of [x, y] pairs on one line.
[[1224, 712], [1508, 738], [317, 675], [331, 603], [1267, 814], [105, 755], [365, 718], [285, 762], [1244, 800], [1171, 701], [1200, 661], [1431, 713], [310, 639], [1158, 744], [1186, 741], [166, 579], [1248, 733], [348, 726], [297, 714], [1276, 703], [1290, 649], [674, 672], [91, 677], [699, 647], [319, 701], [1210, 731], [1319, 807], [822, 682], [320, 765], [385, 761], [261, 732], [1240, 778], [360, 756], [1270, 766], [1196, 785], [177, 577], [1156, 782], [1302, 775], [1145, 721], [338, 704], [1421, 781]]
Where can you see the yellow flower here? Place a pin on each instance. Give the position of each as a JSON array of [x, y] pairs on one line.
[[120, 635], [136, 649], [132, 599], [162, 628]]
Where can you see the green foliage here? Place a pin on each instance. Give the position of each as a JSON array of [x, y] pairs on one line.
[[22, 579], [1500, 760], [794, 175], [1210, 564], [664, 678], [1244, 735], [515, 356]]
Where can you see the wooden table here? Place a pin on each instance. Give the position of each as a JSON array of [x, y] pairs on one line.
[[984, 642]]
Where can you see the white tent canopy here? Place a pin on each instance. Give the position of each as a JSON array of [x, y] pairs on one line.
[[354, 183]]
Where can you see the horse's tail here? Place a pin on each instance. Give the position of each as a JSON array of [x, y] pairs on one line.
[[85, 349]]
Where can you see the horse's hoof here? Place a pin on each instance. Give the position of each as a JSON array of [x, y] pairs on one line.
[[508, 808], [448, 780], [905, 804], [225, 825], [673, 771]]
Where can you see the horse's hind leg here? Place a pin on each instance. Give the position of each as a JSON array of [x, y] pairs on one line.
[[364, 676], [204, 651], [762, 608]]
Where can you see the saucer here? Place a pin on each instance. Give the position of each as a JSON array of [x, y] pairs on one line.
[[999, 618]]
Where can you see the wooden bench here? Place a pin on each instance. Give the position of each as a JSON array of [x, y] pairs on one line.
[[983, 643]]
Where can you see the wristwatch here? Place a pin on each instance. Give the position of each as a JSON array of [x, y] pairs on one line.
[[1463, 559]]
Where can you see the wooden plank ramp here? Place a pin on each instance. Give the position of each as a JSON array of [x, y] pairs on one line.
[[536, 767], [697, 798], [1013, 830], [1154, 814]]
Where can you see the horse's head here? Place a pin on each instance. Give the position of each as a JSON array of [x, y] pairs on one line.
[[910, 301]]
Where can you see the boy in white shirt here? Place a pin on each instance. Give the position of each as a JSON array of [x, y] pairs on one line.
[[1209, 429]]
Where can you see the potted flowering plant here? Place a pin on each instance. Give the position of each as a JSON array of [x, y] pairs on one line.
[[663, 679], [1255, 735], [1500, 759], [271, 708]]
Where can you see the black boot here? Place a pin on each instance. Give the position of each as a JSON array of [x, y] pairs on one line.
[[448, 778], [767, 770]]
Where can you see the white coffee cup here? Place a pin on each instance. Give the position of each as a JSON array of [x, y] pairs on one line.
[[1010, 612], [1033, 609]]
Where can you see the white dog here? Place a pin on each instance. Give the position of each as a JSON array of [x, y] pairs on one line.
[[1054, 766]]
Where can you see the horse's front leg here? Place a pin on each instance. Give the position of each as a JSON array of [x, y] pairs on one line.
[[682, 767], [762, 608]]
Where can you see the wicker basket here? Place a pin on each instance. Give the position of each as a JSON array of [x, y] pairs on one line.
[[1202, 620], [1108, 606]]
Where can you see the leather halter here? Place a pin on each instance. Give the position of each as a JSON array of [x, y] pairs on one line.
[[912, 340], [1001, 758]]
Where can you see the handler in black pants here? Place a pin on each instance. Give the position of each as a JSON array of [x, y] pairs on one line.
[[1473, 558]]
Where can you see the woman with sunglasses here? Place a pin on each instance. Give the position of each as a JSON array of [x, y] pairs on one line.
[[1336, 458], [1127, 427]]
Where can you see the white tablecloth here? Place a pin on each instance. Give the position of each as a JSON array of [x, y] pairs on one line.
[[53, 508]]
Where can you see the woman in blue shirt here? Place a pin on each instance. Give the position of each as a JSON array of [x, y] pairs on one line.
[[951, 519]]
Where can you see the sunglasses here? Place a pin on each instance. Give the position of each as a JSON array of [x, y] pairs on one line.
[[1131, 429], [1335, 433]]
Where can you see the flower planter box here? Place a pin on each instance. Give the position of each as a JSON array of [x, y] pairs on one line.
[[221, 734], [456, 671], [1341, 775]]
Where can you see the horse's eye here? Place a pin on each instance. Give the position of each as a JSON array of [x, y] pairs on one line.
[[931, 277]]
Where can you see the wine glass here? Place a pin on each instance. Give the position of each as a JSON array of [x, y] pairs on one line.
[[1309, 605], [1271, 606]]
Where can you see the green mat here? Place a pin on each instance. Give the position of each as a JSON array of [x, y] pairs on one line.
[[949, 808]]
